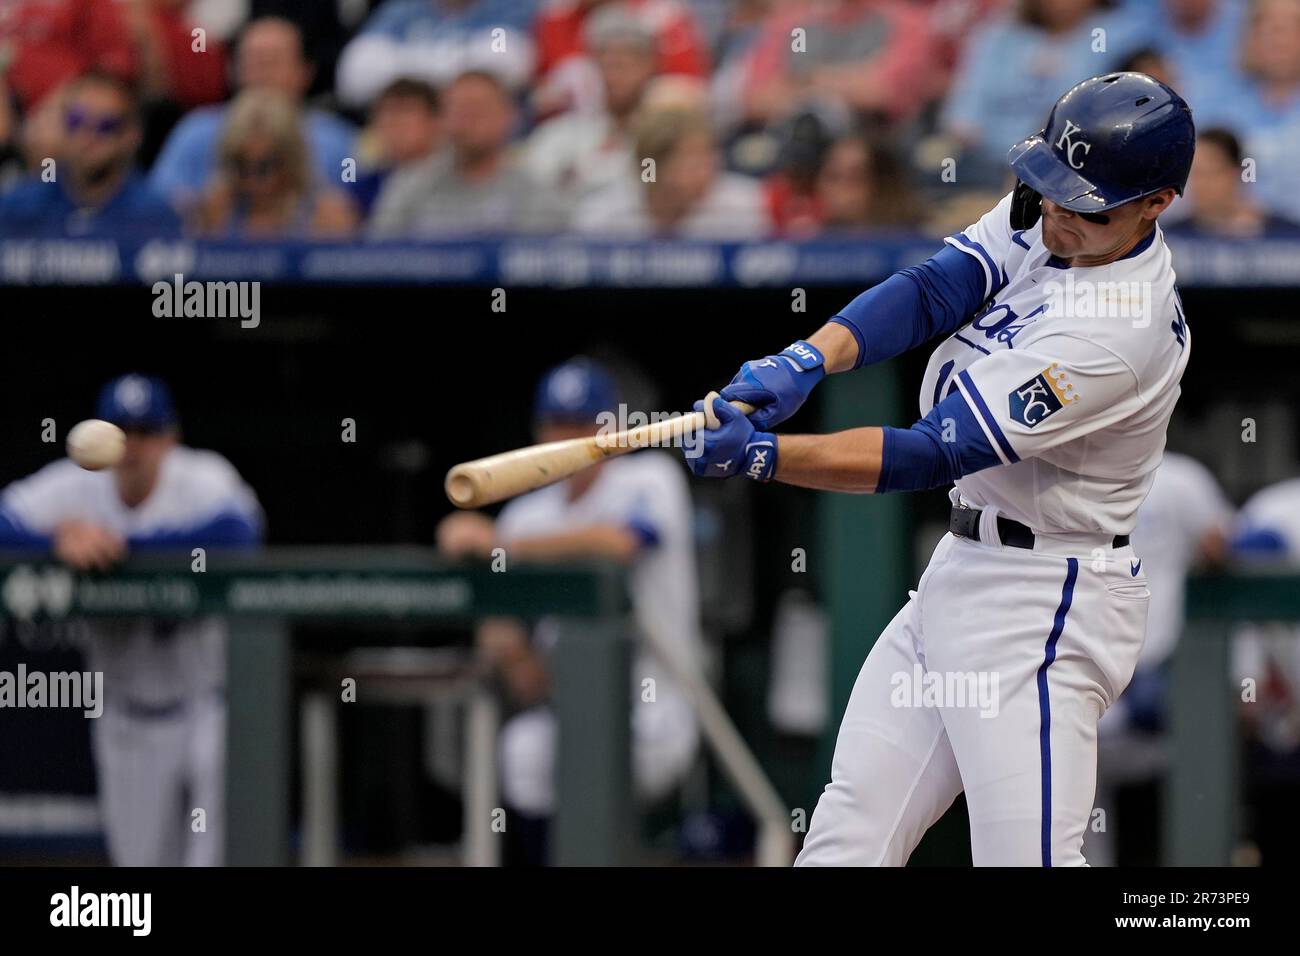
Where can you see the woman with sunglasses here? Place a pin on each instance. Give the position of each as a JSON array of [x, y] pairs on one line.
[[264, 187]]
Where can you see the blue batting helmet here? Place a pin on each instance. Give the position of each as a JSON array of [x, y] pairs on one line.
[[575, 392], [137, 402], [1109, 140]]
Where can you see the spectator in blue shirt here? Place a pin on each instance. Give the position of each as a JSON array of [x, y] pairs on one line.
[[1013, 70], [1263, 107], [270, 57], [1200, 39], [91, 187]]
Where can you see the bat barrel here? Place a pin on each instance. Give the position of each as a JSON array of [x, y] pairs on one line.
[[462, 487], [486, 481]]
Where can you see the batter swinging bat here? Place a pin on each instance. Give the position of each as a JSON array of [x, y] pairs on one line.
[[498, 477]]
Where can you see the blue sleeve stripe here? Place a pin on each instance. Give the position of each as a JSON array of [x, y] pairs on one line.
[[646, 533], [941, 380], [1259, 541], [991, 271], [986, 419]]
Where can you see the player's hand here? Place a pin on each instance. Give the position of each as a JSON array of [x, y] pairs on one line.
[[730, 445], [85, 546], [466, 534], [777, 385]]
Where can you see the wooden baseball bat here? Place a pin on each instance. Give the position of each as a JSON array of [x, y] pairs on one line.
[[486, 481]]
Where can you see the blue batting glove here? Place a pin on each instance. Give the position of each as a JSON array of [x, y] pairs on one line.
[[735, 447], [777, 385]]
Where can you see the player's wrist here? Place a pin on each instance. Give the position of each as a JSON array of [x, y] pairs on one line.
[[838, 345], [760, 457]]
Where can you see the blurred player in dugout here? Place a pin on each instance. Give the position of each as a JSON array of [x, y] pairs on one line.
[[634, 510], [160, 744]]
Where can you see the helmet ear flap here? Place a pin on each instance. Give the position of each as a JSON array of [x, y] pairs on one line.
[[1026, 206]]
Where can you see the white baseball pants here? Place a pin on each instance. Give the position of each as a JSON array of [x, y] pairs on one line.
[[1054, 633], [153, 773]]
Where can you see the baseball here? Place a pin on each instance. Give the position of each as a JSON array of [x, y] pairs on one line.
[[95, 444]]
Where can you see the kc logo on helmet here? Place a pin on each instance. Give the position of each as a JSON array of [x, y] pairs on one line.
[[1066, 142]]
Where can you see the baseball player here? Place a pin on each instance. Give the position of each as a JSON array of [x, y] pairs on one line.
[[1046, 403], [635, 511], [160, 744]]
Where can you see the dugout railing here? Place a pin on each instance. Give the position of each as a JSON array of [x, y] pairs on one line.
[[262, 595], [1202, 821]]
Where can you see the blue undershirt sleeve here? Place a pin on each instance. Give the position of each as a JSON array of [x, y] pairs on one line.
[[914, 305], [14, 536], [937, 450], [229, 529]]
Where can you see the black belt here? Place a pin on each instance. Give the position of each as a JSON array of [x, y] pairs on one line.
[[965, 522]]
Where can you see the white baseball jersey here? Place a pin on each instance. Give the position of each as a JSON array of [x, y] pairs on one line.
[[646, 492], [1269, 528], [146, 663], [1185, 504], [1072, 374]]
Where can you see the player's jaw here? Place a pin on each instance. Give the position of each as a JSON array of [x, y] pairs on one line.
[[1082, 242], [137, 472]]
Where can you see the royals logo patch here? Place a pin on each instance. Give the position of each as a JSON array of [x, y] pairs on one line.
[[1041, 397]]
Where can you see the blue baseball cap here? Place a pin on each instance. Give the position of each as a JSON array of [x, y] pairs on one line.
[[575, 392], [137, 402]]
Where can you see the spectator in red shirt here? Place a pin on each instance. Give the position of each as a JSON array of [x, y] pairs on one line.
[[875, 56], [568, 78], [48, 42], [171, 68]]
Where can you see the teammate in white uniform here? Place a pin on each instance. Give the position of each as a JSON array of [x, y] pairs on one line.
[[1046, 403], [635, 510], [160, 744], [1184, 521], [1268, 531]]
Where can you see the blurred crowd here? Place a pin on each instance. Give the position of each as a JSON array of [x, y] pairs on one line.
[[719, 119]]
